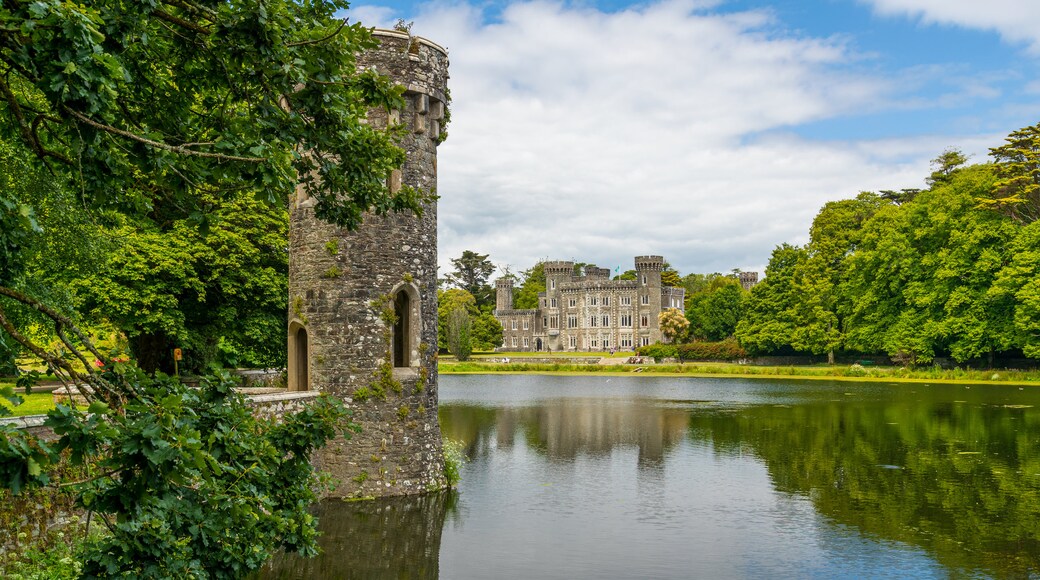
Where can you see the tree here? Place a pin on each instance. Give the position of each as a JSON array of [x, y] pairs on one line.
[[449, 301], [920, 282], [673, 324], [1016, 192], [768, 323], [159, 101], [471, 274], [533, 284], [671, 278], [487, 331], [1019, 282], [714, 312], [148, 109], [833, 237], [219, 294], [944, 165], [460, 329]]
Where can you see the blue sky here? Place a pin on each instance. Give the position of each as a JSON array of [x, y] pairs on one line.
[[707, 131]]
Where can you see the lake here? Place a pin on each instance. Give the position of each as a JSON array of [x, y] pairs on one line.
[[654, 477]]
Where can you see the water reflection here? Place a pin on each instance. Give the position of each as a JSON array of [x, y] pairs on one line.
[[385, 538], [960, 479], [569, 428], [676, 478]]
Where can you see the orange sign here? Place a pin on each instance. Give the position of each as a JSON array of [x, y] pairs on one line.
[[176, 354]]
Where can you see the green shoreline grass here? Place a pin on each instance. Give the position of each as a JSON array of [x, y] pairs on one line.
[[700, 370]]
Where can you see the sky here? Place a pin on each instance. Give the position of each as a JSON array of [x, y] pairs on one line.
[[705, 131]]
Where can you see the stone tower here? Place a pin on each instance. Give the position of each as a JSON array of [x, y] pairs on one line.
[[648, 278], [503, 294], [748, 279], [363, 304]]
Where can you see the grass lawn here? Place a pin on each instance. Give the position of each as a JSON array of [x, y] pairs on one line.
[[34, 404], [832, 372]]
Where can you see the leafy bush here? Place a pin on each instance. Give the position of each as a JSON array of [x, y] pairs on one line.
[[658, 351], [727, 350], [188, 482], [454, 457]]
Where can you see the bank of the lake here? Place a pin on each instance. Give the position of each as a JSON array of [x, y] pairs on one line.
[[858, 373]]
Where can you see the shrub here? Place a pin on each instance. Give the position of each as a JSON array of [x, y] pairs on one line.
[[727, 350], [658, 351]]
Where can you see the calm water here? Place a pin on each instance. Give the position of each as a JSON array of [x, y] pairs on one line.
[[650, 477]]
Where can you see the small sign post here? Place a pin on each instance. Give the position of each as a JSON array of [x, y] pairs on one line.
[[176, 358]]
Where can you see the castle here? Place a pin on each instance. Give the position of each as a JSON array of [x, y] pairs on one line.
[[363, 303], [588, 312]]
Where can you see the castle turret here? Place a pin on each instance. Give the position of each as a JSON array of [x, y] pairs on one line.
[[363, 303], [503, 294], [748, 279], [648, 277], [556, 273]]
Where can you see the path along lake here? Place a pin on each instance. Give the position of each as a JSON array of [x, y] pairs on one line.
[[576, 477]]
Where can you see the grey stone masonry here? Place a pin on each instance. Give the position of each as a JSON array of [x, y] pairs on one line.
[[588, 312], [363, 304]]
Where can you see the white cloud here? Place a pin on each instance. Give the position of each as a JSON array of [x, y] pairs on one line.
[[664, 129], [1017, 21]]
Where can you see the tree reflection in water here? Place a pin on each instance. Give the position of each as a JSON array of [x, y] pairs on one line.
[[383, 538], [961, 480]]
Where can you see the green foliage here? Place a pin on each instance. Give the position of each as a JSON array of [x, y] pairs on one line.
[[1016, 192], [460, 334], [715, 309], [449, 301], [922, 273], [487, 331], [671, 278], [526, 297], [1018, 284], [149, 103], [182, 285], [673, 323], [768, 322], [658, 351], [188, 481], [332, 272], [454, 457], [725, 350], [471, 274]]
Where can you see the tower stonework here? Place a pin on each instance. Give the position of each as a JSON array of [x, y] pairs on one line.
[[504, 294], [363, 303]]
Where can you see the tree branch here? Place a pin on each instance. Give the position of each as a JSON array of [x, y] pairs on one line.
[[342, 23], [176, 21], [180, 150]]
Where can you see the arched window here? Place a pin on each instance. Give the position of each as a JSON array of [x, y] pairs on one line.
[[299, 358], [404, 348]]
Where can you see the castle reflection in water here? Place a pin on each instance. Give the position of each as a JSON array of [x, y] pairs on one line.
[[570, 428]]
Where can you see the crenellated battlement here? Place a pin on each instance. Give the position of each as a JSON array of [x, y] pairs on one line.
[[559, 268], [649, 263]]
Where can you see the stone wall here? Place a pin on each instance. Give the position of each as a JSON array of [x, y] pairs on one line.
[[363, 303]]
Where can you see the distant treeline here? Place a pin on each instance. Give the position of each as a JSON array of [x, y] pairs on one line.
[[948, 271]]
